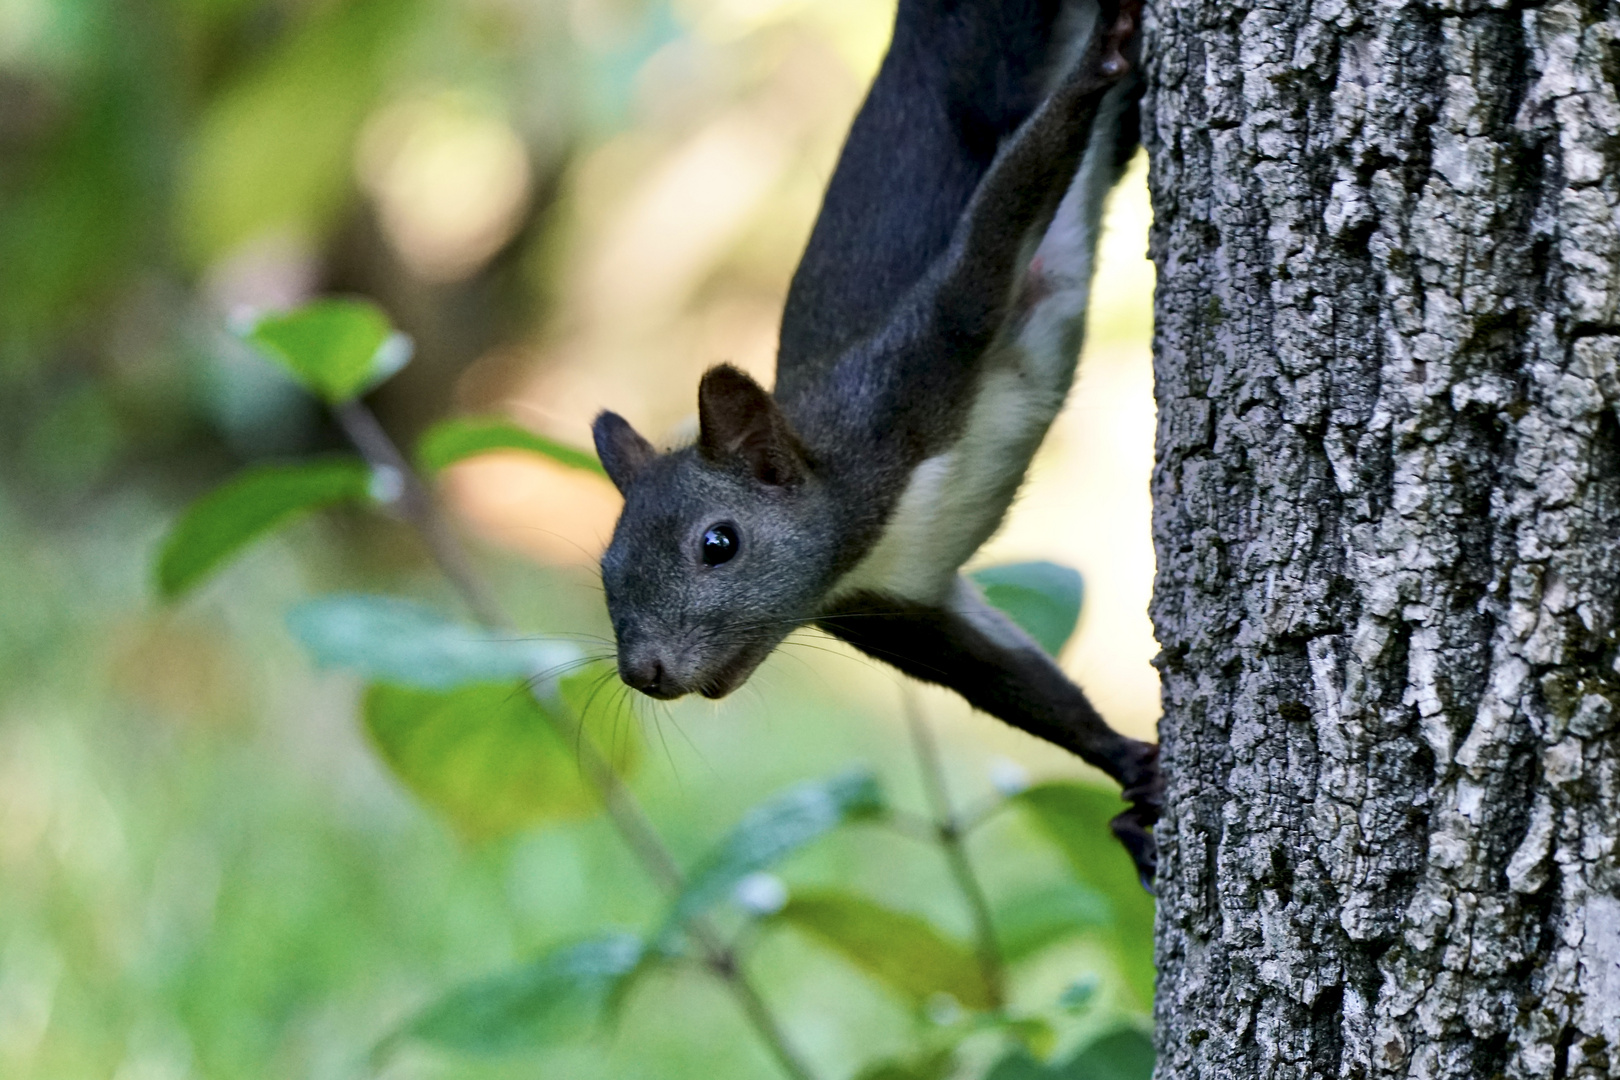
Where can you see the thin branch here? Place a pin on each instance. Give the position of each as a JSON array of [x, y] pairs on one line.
[[416, 506], [623, 808], [975, 816], [991, 962], [728, 968], [913, 826]]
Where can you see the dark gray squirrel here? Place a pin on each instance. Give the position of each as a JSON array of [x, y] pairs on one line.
[[930, 336]]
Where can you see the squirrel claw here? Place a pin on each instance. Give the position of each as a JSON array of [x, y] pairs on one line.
[[1130, 831], [1133, 827], [1114, 63]]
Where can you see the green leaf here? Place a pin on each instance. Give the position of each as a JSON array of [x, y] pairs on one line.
[[387, 639], [1033, 920], [902, 950], [1018, 1065], [562, 994], [930, 1066], [338, 349], [1034, 1032], [448, 715], [1075, 816], [452, 440], [1123, 1054], [772, 831], [486, 755], [247, 506], [1042, 597]]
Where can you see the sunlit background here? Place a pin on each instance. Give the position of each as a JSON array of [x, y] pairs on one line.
[[569, 204]]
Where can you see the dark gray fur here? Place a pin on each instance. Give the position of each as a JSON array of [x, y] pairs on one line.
[[958, 78], [952, 170]]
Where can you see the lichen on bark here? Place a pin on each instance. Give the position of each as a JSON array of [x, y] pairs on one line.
[[1387, 513]]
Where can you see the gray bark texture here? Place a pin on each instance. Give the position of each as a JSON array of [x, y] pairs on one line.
[[1387, 513]]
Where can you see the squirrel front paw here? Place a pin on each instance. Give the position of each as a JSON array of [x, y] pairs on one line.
[[1118, 34]]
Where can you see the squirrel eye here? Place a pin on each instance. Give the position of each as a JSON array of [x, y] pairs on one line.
[[719, 544]]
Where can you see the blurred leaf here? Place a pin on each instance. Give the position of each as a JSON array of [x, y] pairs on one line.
[[452, 440], [932, 1066], [273, 151], [486, 755], [1042, 597], [1036, 1035], [772, 831], [1075, 816], [1033, 920], [82, 174], [1018, 1065], [562, 994], [904, 951], [387, 639], [247, 506], [1124, 1054], [338, 349], [1078, 995]]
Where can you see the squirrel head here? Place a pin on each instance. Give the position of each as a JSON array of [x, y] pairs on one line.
[[723, 548]]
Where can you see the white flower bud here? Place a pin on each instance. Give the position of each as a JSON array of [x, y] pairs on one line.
[[1008, 777], [387, 484], [1079, 993], [943, 1009], [760, 894]]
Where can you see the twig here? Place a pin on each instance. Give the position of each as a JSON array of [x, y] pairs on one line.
[[949, 831], [913, 826], [975, 816], [636, 830], [415, 504], [623, 808], [417, 507]]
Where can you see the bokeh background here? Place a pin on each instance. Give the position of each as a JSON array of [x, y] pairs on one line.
[[569, 204]]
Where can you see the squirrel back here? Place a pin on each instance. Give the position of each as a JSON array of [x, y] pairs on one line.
[[958, 78]]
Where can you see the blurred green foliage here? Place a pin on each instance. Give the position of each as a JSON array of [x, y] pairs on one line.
[[460, 438], [908, 953], [259, 499], [217, 863], [338, 349], [271, 148], [1042, 597]]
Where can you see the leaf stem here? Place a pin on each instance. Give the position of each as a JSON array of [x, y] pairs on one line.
[[624, 809], [760, 1015], [975, 816], [416, 506], [950, 834]]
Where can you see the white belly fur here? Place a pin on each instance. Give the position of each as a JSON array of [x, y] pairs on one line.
[[956, 500]]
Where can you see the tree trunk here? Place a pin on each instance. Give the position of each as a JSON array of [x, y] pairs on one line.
[[1387, 512]]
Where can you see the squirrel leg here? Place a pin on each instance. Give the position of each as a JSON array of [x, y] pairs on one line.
[[970, 647]]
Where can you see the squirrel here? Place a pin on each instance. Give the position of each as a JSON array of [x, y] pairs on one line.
[[929, 338]]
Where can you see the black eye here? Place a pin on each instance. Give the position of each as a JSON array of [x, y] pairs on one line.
[[719, 544]]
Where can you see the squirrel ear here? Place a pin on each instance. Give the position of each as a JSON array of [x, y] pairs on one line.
[[738, 419], [623, 451]]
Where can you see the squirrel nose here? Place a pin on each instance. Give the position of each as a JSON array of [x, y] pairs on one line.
[[646, 673]]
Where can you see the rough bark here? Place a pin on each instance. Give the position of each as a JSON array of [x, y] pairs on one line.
[[1387, 511]]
